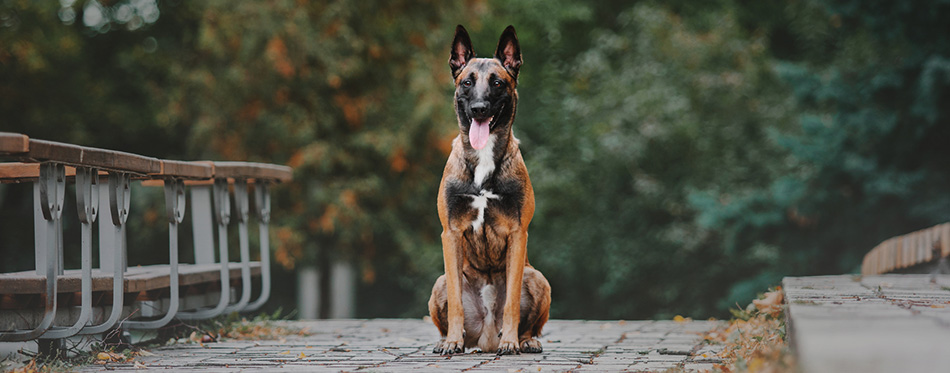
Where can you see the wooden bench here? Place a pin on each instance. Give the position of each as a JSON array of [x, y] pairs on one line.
[[29, 300], [910, 252]]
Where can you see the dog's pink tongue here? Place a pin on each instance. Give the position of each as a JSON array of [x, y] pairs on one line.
[[478, 133]]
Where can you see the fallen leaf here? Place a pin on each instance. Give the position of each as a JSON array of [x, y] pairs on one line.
[[771, 304], [109, 356], [139, 365]]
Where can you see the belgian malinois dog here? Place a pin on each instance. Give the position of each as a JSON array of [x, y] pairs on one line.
[[485, 205]]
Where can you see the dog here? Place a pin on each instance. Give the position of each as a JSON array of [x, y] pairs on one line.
[[485, 205]]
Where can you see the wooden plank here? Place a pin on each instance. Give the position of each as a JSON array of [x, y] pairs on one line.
[[75, 155], [18, 172], [13, 143], [252, 170], [137, 279], [187, 170], [121, 161]]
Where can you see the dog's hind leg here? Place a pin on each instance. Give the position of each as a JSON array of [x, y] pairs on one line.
[[535, 308], [438, 311]]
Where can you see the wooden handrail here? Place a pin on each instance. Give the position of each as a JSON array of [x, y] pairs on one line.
[[252, 170], [915, 248], [13, 143], [75, 155], [186, 170]]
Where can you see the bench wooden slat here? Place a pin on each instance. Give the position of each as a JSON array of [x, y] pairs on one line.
[[136, 279], [18, 172], [12, 143], [75, 155], [253, 170], [11, 172]]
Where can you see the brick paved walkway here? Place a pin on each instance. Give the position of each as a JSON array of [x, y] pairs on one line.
[[887, 323], [406, 345]]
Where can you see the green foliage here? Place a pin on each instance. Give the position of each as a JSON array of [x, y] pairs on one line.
[[654, 109], [866, 163]]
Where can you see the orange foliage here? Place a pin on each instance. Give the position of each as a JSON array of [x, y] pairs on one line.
[[229, 144], [276, 52], [349, 198], [289, 247], [296, 159], [326, 221], [445, 143], [756, 344], [375, 51], [398, 160], [417, 40], [772, 304], [334, 81], [250, 110], [151, 216], [332, 28], [352, 107]]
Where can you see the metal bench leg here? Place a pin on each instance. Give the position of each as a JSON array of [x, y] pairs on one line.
[[175, 209], [262, 204], [87, 204], [241, 204], [222, 204], [50, 190], [119, 198]]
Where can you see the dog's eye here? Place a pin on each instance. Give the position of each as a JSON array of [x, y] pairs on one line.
[[467, 83], [496, 83]]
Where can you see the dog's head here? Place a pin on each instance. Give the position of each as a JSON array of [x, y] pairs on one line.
[[485, 88]]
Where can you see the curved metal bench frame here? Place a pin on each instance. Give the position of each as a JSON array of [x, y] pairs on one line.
[[91, 196]]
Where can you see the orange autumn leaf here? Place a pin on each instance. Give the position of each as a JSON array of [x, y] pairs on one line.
[[771, 304]]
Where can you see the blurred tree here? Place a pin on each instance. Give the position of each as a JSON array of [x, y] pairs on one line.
[[70, 72], [867, 160], [353, 95], [648, 110]]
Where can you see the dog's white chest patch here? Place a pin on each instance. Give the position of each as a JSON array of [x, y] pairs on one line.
[[486, 162], [480, 202]]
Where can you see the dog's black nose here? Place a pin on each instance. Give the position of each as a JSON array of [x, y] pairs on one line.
[[480, 109]]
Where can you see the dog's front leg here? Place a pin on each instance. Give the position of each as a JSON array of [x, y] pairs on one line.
[[453, 287], [517, 252]]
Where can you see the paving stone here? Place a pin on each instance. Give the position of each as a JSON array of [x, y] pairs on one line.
[[406, 345], [881, 323]]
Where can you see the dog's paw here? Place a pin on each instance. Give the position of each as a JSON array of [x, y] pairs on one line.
[[448, 348], [507, 348], [531, 346]]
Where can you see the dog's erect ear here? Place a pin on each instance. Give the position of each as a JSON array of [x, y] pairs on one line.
[[462, 51], [509, 52]]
